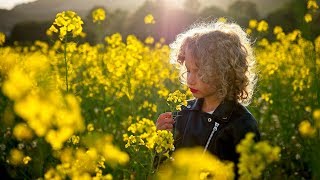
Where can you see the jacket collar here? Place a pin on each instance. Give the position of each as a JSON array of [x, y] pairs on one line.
[[223, 111]]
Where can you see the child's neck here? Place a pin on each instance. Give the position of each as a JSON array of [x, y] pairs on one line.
[[210, 104]]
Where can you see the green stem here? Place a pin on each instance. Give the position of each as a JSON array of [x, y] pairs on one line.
[[66, 64], [159, 160]]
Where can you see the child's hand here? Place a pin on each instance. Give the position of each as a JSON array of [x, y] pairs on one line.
[[165, 121]]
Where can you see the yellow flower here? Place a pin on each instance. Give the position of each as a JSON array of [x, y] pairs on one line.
[[66, 21], [114, 155], [253, 23], [2, 38], [254, 157], [98, 15], [26, 160], [75, 139], [312, 4], [308, 17], [164, 141], [57, 137], [248, 31], [277, 30], [308, 109], [90, 127], [316, 114], [149, 19], [176, 99], [306, 129], [192, 163], [267, 97], [17, 85], [22, 132], [316, 117], [222, 19], [262, 26], [149, 40], [16, 157]]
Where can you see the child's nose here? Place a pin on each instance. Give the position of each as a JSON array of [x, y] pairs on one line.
[[191, 79]]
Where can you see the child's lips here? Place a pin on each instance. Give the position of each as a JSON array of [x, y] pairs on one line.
[[193, 90]]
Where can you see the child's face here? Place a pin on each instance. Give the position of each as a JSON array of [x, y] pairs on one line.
[[198, 88]]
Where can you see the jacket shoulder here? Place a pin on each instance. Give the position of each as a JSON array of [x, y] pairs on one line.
[[244, 122]]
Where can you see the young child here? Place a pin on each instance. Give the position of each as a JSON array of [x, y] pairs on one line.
[[216, 62]]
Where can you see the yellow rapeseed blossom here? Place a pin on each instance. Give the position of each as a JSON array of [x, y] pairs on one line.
[[222, 19], [52, 174], [277, 30], [248, 31], [312, 4], [98, 15], [306, 129], [111, 154], [144, 133], [114, 155], [253, 23], [163, 92], [191, 163], [266, 97], [65, 22], [254, 157], [262, 26], [74, 139], [148, 106], [164, 142], [316, 117], [149, 19], [26, 159], [90, 127], [16, 157], [57, 137], [308, 109], [18, 84], [22, 132], [149, 40], [176, 99], [2, 38], [307, 17]]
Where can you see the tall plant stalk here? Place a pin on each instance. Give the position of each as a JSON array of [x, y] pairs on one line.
[[66, 64]]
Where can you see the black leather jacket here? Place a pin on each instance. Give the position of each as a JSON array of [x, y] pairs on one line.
[[193, 127]]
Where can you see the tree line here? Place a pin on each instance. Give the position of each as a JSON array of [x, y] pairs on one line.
[[171, 21]]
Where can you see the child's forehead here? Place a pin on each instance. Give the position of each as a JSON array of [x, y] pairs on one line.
[[190, 59]]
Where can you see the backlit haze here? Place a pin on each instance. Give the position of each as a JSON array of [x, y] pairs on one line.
[[9, 4]]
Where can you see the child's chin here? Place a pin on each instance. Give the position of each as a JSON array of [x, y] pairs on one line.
[[196, 95]]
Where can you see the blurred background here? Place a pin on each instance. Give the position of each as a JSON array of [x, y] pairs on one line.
[[69, 108], [27, 20]]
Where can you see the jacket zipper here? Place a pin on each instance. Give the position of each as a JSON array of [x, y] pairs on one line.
[[214, 129]]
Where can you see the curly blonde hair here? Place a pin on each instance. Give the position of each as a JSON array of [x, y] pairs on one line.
[[224, 57]]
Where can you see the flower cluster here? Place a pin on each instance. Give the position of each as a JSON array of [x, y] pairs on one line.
[[254, 157], [176, 100], [83, 162], [312, 7], [17, 157], [98, 15], [2, 38], [149, 19], [193, 164], [66, 21], [305, 127], [45, 110], [261, 26], [144, 133], [40, 116]]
